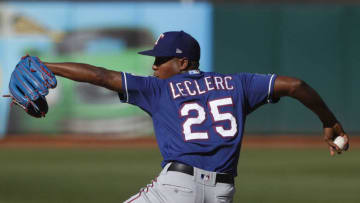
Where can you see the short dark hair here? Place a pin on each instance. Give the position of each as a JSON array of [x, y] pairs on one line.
[[193, 65]]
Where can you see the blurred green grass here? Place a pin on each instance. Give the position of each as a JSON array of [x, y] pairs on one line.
[[113, 175]]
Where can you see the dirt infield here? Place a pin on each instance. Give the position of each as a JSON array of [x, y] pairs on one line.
[[100, 141]]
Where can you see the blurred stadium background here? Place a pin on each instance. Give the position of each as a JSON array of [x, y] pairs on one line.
[[91, 148]]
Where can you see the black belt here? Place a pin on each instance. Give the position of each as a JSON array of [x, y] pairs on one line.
[[183, 168]]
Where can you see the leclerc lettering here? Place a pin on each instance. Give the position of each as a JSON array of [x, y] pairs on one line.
[[228, 78], [192, 87], [173, 93], [198, 88], [181, 90], [208, 83], [219, 83], [186, 83]]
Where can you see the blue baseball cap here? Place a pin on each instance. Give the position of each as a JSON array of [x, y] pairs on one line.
[[177, 44]]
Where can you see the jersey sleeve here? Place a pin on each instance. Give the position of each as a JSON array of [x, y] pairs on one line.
[[143, 92], [258, 89]]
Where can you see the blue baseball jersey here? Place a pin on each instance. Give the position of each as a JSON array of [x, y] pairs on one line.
[[199, 117]]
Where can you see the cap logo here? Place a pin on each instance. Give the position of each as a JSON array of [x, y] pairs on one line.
[[179, 51], [160, 37]]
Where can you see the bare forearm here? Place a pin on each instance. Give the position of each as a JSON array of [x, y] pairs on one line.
[[298, 89], [75, 71], [311, 99], [87, 73]]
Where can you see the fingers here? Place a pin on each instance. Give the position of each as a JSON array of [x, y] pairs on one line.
[[347, 141], [332, 151], [334, 148], [338, 129], [340, 132], [330, 133]]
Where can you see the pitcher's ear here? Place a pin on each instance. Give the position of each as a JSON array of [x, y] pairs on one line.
[[184, 63]]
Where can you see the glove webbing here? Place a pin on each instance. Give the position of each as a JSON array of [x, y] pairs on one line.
[[22, 106]]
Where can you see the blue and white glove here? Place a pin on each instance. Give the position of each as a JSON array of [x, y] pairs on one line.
[[29, 84]]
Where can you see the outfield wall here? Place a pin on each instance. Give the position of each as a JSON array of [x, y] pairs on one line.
[[104, 34], [317, 43]]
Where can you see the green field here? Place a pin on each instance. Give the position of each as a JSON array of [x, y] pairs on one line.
[[112, 175]]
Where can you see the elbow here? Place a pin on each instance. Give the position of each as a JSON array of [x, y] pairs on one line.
[[289, 86], [296, 86]]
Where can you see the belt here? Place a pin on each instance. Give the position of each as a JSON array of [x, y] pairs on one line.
[[183, 168]]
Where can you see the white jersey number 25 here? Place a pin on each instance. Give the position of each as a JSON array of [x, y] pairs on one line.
[[216, 116]]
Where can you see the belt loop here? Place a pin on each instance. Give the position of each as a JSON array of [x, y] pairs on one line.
[[195, 174], [165, 169]]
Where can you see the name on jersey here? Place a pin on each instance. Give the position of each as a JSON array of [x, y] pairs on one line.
[[193, 88]]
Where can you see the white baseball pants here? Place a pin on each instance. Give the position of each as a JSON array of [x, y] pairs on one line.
[[177, 187]]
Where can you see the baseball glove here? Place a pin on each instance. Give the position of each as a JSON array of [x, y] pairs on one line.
[[29, 84]]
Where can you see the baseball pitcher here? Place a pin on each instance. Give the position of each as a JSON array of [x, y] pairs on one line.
[[198, 116]]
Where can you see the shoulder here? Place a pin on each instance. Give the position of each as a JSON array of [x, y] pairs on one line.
[[137, 80]]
